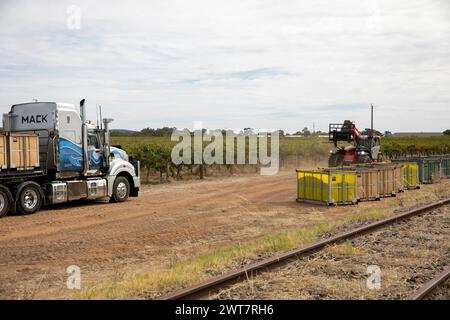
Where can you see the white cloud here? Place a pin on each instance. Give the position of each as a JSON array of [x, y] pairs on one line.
[[263, 64]]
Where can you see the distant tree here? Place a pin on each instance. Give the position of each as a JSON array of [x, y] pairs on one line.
[[320, 133], [123, 132], [159, 132], [447, 132], [306, 132]]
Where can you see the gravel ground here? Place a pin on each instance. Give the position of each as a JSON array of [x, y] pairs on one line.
[[408, 254]]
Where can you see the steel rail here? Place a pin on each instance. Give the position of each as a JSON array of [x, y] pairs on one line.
[[431, 285], [210, 286]]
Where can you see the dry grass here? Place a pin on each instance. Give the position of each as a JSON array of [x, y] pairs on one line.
[[347, 249]]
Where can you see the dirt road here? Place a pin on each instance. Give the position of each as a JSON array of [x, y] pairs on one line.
[[165, 224]]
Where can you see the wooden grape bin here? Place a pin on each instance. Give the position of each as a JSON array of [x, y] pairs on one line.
[[3, 152], [375, 181], [391, 179], [19, 151], [368, 184]]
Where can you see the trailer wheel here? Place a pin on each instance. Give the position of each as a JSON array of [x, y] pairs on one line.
[[121, 190], [29, 199], [4, 203]]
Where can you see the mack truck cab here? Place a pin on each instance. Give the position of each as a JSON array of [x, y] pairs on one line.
[[75, 159]]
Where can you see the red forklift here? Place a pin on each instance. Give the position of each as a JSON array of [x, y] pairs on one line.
[[364, 148]]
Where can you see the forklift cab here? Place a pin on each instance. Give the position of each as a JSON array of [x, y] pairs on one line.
[[376, 148], [371, 145], [369, 142], [364, 143]]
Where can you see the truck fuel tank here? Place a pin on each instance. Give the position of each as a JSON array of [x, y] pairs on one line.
[[63, 191]]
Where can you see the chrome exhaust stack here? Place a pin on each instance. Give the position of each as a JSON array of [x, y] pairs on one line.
[[106, 145], [84, 137]]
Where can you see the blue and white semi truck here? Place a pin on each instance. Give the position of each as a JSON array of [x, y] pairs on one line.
[[76, 160]]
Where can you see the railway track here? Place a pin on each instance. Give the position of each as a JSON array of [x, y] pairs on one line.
[[427, 289], [213, 285]]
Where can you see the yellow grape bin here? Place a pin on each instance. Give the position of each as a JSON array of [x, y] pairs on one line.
[[411, 175], [327, 186]]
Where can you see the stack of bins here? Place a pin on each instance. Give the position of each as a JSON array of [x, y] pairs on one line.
[[327, 186], [386, 180], [429, 168]]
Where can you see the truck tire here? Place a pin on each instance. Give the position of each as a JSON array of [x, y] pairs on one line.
[[29, 199], [5, 203], [121, 190]]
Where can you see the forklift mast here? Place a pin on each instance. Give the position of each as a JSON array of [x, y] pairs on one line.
[[346, 131]]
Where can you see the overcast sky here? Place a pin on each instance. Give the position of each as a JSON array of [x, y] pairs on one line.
[[234, 63]]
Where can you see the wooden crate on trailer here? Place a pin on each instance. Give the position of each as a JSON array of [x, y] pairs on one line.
[[32, 151], [3, 152], [23, 151]]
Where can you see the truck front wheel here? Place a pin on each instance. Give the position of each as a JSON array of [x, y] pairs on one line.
[[4, 203], [29, 200], [121, 190]]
